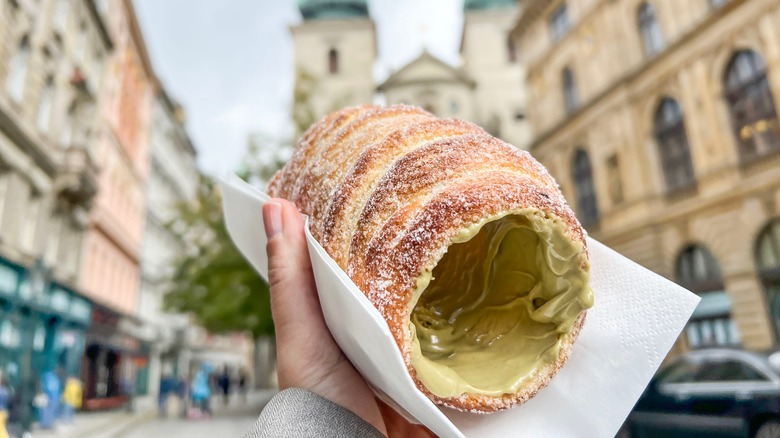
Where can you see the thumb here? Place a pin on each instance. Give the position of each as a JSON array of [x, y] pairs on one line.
[[294, 299]]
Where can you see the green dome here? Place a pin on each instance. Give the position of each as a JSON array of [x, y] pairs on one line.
[[477, 5], [317, 9]]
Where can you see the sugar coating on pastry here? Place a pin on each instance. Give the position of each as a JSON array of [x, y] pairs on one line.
[[463, 243]]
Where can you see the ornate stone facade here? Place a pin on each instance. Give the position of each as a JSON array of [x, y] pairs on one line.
[[434, 85], [672, 105], [111, 269], [335, 45], [492, 59]]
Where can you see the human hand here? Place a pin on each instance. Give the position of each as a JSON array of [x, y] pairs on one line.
[[307, 355]]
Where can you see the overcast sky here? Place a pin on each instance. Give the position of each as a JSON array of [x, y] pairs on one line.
[[229, 62]]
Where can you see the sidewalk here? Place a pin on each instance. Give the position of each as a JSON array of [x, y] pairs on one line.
[[97, 424], [145, 422], [233, 420], [256, 401]]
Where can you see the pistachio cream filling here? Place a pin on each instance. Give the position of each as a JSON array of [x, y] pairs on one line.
[[497, 306]]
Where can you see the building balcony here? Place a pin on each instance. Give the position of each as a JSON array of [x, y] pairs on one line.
[[76, 182]]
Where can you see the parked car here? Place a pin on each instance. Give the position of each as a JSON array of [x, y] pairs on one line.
[[711, 393]]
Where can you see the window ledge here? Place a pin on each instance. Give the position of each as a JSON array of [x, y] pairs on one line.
[[759, 162], [681, 193]]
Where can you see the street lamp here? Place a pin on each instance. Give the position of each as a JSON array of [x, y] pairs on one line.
[[35, 284]]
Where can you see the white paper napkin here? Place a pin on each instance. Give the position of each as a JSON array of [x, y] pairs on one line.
[[636, 318]]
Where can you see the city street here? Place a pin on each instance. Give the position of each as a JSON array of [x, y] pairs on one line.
[[228, 421], [233, 420]]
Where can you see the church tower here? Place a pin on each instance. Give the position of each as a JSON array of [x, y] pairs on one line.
[[491, 58], [335, 50]]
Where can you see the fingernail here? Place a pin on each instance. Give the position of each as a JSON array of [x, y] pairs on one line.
[[272, 219]]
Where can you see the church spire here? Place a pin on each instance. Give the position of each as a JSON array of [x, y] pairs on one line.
[[472, 5], [325, 9]]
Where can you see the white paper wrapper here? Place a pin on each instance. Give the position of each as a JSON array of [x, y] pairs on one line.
[[636, 318]]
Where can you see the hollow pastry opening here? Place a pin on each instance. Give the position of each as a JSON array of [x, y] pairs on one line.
[[496, 307]]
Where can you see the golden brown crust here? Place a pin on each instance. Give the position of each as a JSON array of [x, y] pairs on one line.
[[349, 200], [387, 189]]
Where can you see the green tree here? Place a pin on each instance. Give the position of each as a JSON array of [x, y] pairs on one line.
[[212, 281]]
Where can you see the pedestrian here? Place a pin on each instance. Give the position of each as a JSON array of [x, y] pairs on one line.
[[183, 390], [71, 398], [49, 405], [224, 384], [242, 384], [127, 384], [5, 404], [201, 391], [162, 398]]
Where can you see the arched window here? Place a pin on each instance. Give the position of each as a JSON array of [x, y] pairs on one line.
[[586, 191], [45, 104], [570, 96], [17, 70], [81, 42], [61, 15], [768, 262], [511, 50], [68, 128], [751, 106], [493, 126], [652, 38], [714, 4], [333, 61], [711, 323], [669, 127]]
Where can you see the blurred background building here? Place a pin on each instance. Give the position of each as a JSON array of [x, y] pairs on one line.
[[51, 60], [112, 250], [434, 85], [659, 121], [335, 45], [94, 155], [491, 58], [173, 178]]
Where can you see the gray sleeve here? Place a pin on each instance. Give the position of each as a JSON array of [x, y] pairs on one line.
[[299, 413]]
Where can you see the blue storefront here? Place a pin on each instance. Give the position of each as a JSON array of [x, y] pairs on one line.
[[43, 326]]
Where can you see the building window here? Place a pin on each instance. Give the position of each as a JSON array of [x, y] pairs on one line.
[[30, 226], [5, 177], [519, 115], [615, 181], [61, 15], [17, 71], [333, 61], [454, 107], [570, 97], [768, 262], [511, 50], [68, 127], [585, 189], [81, 43], [559, 23], [711, 323], [493, 125], [672, 140], [652, 38], [751, 106], [45, 105]]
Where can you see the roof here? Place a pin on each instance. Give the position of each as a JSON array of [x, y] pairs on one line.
[[406, 76], [138, 39], [477, 5], [531, 11], [330, 9]]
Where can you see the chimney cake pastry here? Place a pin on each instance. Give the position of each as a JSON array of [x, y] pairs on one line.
[[463, 243]]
